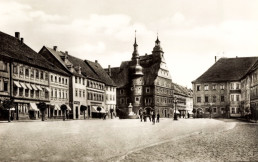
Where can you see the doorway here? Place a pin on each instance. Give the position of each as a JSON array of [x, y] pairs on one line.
[[77, 112]]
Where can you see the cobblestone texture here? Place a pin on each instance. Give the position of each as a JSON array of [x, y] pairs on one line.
[[237, 144], [102, 140]]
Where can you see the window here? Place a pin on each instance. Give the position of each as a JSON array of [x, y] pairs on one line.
[[206, 99], [75, 79], [206, 87], [5, 86], [222, 99], [198, 99], [214, 87], [80, 80], [41, 75], [214, 109], [121, 100], [37, 73], [21, 70], [60, 93], [52, 78], [214, 99], [147, 89], [83, 81], [56, 79], [66, 81], [232, 97], [15, 69], [121, 91], [237, 86], [59, 78], [46, 76], [198, 88], [233, 110], [80, 93], [231, 86], [222, 86], [32, 73], [237, 97], [76, 92], [26, 72], [83, 93], [137, 99], [32, 93], [3, 66], [62, 80]]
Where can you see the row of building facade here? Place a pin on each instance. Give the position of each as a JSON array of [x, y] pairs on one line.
[[229, 88], [54, 77]]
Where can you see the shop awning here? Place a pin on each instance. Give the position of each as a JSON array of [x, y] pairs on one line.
[[17, 84], [23, 85], [34, 87], [68, 107], [177, 112], [39, 88], [57, 107], [94, 109], [33, 107], [48, 89], [28, 85]]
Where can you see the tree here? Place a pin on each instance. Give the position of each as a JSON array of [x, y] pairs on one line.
[[99, 109], [42, 107], [111, 112], [83, 109], [63, 108], [194, 111], [8, 104]]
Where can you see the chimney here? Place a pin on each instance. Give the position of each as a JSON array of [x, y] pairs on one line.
[[22, 40], [55, 48], [109, 70], [66, 52], [215, 59], [17, 35], [96, 61]]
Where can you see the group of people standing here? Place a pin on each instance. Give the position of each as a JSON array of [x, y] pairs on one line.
[[151, 116]]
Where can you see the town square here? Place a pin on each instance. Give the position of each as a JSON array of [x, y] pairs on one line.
[[128, 80]]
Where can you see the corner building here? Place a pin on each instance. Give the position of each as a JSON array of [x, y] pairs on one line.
[[145, 82]]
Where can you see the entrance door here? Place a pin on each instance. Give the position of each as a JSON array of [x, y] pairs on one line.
[[77, 113], [165, 111]]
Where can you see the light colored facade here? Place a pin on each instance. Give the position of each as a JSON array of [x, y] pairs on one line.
[[59, 94], [110, 98], [254, 93]]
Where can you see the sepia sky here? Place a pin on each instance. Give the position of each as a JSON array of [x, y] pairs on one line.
[[192, 32]]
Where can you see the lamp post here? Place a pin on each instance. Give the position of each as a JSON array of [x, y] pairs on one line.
[[175, 115]]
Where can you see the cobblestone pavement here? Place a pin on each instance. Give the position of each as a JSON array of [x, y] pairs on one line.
[[102, 140], [237, 144]]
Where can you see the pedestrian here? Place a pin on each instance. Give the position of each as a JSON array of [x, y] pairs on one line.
[[158, 118], [183, 115], [188, 115], [153, 118]]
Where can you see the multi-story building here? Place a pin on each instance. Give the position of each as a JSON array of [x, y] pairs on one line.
[[253, 75], [25, 76], [87, 82], [218, 92], [184, 100], [145, 82]]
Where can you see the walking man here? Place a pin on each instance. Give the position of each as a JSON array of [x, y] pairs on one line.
[[153, 118], [158, 118]]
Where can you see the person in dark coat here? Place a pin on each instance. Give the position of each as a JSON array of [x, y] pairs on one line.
[[158, 118], [153, 118], [188, 115]]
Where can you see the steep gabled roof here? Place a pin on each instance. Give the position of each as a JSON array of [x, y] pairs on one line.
[[20, 52], [102, 74], [120, 74], [181, 90], [227, 69], [85, 69]]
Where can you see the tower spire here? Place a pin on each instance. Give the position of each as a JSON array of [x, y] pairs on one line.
[[135, 51]]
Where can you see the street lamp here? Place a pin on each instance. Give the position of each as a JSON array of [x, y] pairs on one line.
[[175, 115]]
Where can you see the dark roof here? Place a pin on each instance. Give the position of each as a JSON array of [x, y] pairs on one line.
[[181, 90], [120, 75], [102, 74], [227, 69], [20, 52]]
